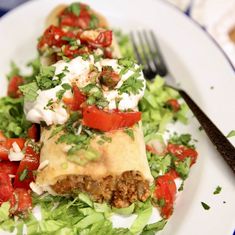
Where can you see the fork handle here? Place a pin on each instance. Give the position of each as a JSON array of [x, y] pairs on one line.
[[222, 144]]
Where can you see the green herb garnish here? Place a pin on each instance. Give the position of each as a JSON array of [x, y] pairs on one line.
[[183, 167], [29, 91], [24, 174], [45, 79], [217, 190], [75, 8], [130, 132], [132, 85], [231, 134], [205, 206]]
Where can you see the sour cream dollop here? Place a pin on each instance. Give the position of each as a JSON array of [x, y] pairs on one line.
[[77, 72]]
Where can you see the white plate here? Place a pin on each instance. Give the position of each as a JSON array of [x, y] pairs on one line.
[[195, 61]]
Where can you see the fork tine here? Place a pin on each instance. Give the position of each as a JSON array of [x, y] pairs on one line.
[[143, 49], [147, 70], [136, 51], [158, 58]]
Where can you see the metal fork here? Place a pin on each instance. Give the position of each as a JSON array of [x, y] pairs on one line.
[[148, 53]]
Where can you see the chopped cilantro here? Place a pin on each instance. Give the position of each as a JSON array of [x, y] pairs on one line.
[[205, 206], [130, 132], [60, 75], [183, 139], [231, 134], [24, 174], [49, 105], [132, 85], [106, 138], [183, 167], [79, 141], [159, 164], [94, 22], [29, 91], [217, 190], [66, 86], [71, 41], [75, 8], [60, 93], [66, 70], [151, 229], [181, 188], [45, 79], [200, 128], [95, 95], [161, 202]]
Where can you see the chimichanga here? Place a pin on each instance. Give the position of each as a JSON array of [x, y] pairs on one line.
[[115, 171]]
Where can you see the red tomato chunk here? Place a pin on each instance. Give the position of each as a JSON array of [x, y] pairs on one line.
[[107, 121]]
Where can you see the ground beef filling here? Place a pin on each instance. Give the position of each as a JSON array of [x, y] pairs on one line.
[[119, 191]]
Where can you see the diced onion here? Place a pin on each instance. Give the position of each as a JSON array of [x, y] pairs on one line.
[[43, 164], [35, 188], [15, 156], [16, 147]]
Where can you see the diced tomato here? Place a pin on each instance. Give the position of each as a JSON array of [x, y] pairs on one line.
[[27, 167], [192, 153], [68, 18], [33, 132], [107, 121], [6, 145], [174, 104], [108, 53], [3, 151], [165, 190], [53, 36], [2, 137], [22, 201], [74, 103], [20, 142], [72, 53], [6, 189], [150, 149], [9, 168], [182, 152], [173, 174], [13, 86], [103, 39]]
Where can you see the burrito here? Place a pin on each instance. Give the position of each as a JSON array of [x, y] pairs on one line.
[[91, 135]]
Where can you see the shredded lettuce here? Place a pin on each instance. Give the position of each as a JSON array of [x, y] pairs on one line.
[[4, 211], [12, 118], [151, 229], [141, 220], [125, 211], [155, 113]]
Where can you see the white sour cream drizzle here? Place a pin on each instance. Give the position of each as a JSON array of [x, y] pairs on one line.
[[76, 71]]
